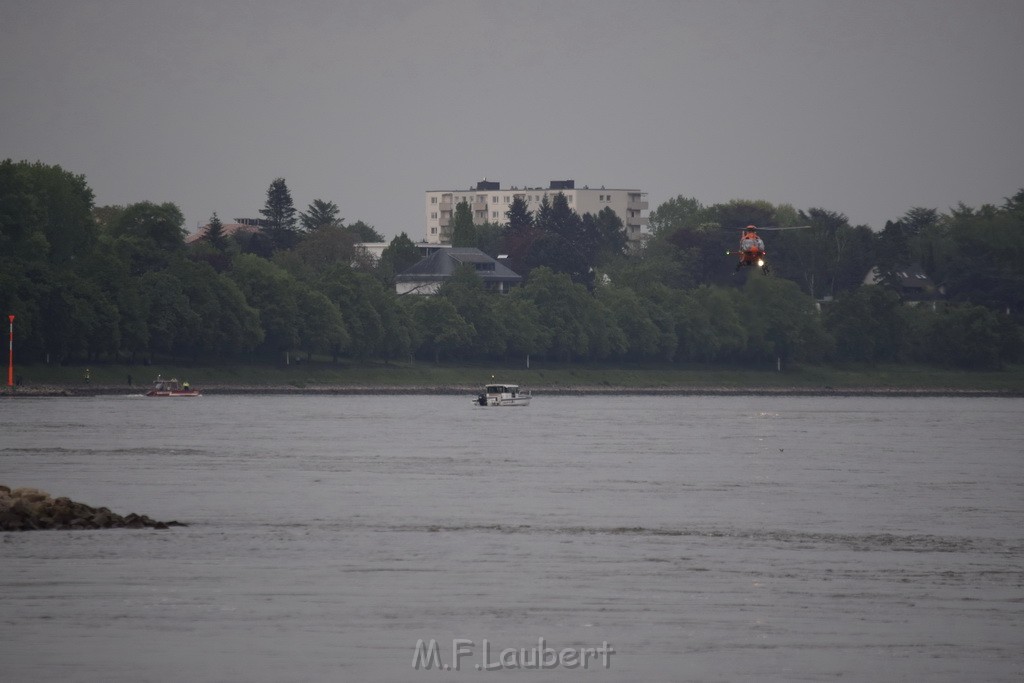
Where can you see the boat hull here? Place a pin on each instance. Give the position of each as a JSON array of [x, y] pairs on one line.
[[495, 401]]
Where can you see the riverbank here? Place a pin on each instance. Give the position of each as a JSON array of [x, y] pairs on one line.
[[326, 378], [456, 390]]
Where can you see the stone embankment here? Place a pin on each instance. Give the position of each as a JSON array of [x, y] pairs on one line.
[[26, 509], [566, 390]]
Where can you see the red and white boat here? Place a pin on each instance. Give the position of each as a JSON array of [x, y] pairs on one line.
[[171, 387]]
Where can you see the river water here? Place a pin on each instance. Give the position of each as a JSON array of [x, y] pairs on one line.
[[653, 538]]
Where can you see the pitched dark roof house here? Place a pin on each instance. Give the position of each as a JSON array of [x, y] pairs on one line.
[[912, 284], [427, 276]]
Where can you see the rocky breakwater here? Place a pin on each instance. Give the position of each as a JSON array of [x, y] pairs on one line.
[[26, 509]]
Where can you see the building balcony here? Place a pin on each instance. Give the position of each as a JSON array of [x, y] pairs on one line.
[[480, 206], [637, 205]]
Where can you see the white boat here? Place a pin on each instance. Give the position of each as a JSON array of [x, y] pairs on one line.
[[503, 395]]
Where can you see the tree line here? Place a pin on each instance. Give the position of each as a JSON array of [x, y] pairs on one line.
[[120, 283]]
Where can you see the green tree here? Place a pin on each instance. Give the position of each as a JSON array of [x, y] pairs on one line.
[[892, 250], [518, 236], [813, 257], [564, 244], [149, 236], [462, 230], [321, 325], [678, 213], [215, 233], [395, 321], [655, 261], [320, 214], [170, 320], [465, 289], [868, 325], [361, 232], [273, 292], [632, 317], [524, 332], [609, 239], [225, 324], [317, 252], [279, 212], [106, 217], [44, 211], [561, 305], [782, 322], [355, 295], [966, 336], [79, 321], [579, 326], [439, 329], [703, 253], [112, 276], [709, 323], [737, 213], [489, 239], [983, 265], [47, 233], [921, 226], [400, 255], [161, 226]]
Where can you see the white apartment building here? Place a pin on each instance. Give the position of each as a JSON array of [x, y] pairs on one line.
[[489, 204]]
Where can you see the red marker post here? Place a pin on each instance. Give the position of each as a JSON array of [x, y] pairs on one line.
[[10, 353]]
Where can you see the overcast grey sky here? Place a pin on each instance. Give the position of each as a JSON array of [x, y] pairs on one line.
[[864, 107]]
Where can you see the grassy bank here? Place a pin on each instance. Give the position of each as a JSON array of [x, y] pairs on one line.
[[539, 375]]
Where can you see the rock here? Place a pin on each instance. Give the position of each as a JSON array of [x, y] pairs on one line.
[[25, 509]]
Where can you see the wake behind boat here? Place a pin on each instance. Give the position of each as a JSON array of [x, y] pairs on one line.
[[171, 387], [503, 395]]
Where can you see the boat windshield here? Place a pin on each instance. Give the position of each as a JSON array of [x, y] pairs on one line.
[[501, 388]]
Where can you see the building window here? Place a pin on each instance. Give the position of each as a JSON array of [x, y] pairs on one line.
[[494, 199], [433, 231], [433, 200], [433, 214], [494, 214], [506, 199], [568, 200]]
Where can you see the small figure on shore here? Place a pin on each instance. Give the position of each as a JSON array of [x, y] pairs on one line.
[[87, 377], [129, 380]]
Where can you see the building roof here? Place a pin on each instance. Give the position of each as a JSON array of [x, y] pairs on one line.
[[554, 185], [442, 264], [911, 279]]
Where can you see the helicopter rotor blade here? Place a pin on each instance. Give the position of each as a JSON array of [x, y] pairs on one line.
[[772, 228]]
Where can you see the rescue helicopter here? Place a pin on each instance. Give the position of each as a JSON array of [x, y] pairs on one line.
[[751, 250]]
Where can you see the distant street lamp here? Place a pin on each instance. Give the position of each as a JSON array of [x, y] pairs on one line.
[[10, 352]]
